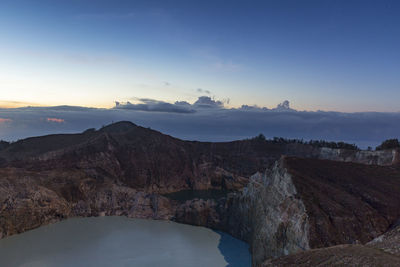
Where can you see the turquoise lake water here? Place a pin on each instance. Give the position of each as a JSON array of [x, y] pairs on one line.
[[120, 241]]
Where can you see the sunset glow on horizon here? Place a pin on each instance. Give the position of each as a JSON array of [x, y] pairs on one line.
[[320, 55]]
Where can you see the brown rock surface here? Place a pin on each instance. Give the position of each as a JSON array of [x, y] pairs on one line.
[[124, 169], [150, 161], [346, 202], [302, 204], [26, 204], [382, 251], [341, 255], [388, 242]]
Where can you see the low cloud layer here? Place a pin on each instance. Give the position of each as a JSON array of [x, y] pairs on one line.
[[2, 120], [146, 104], [202, 91], [156, 106], [57, 120], [205, 120]]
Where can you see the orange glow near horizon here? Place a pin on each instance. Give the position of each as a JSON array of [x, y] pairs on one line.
[[2, 120], [17, 104], [55, 120]]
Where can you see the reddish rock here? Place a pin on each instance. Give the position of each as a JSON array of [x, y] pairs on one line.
[[124, 169], [346, 202]]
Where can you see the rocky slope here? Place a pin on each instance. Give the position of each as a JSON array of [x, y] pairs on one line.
[[306, 203], [388, 242], [124, 169], [382, 251], [31, 199], [341, 255], [346, 202]]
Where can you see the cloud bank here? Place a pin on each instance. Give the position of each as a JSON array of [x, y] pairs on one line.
[[146, 104], [206, 120], [3, 120], [57, 120]]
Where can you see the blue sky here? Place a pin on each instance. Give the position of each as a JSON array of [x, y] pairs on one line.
[[320, 55]]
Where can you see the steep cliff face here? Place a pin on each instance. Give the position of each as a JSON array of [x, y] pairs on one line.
[[307, 203], [273, 219], [382, 157], [30, 199], [267, 214], [25, 204]]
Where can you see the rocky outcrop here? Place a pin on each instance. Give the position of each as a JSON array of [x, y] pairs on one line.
[[201, 212], [306, 203], [341, 255], [389, 242], [25, 204], [381, 157], [382, 251], [29, 200], [272, 218]]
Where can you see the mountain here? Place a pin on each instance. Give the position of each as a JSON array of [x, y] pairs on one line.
[[281, 198]]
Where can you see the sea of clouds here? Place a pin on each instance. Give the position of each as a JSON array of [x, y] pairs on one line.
[[205, 120]]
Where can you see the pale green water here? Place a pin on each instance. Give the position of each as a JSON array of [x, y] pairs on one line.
[[120, 241]]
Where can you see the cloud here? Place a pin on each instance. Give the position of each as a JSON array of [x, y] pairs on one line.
[[283, 107], [205, 102], [3, 120], [152, 105], [210, 121], [57, 120], [202, 91], [156, 106]]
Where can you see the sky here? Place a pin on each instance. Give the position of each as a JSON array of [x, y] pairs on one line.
[[321, 55], [202, 70]]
